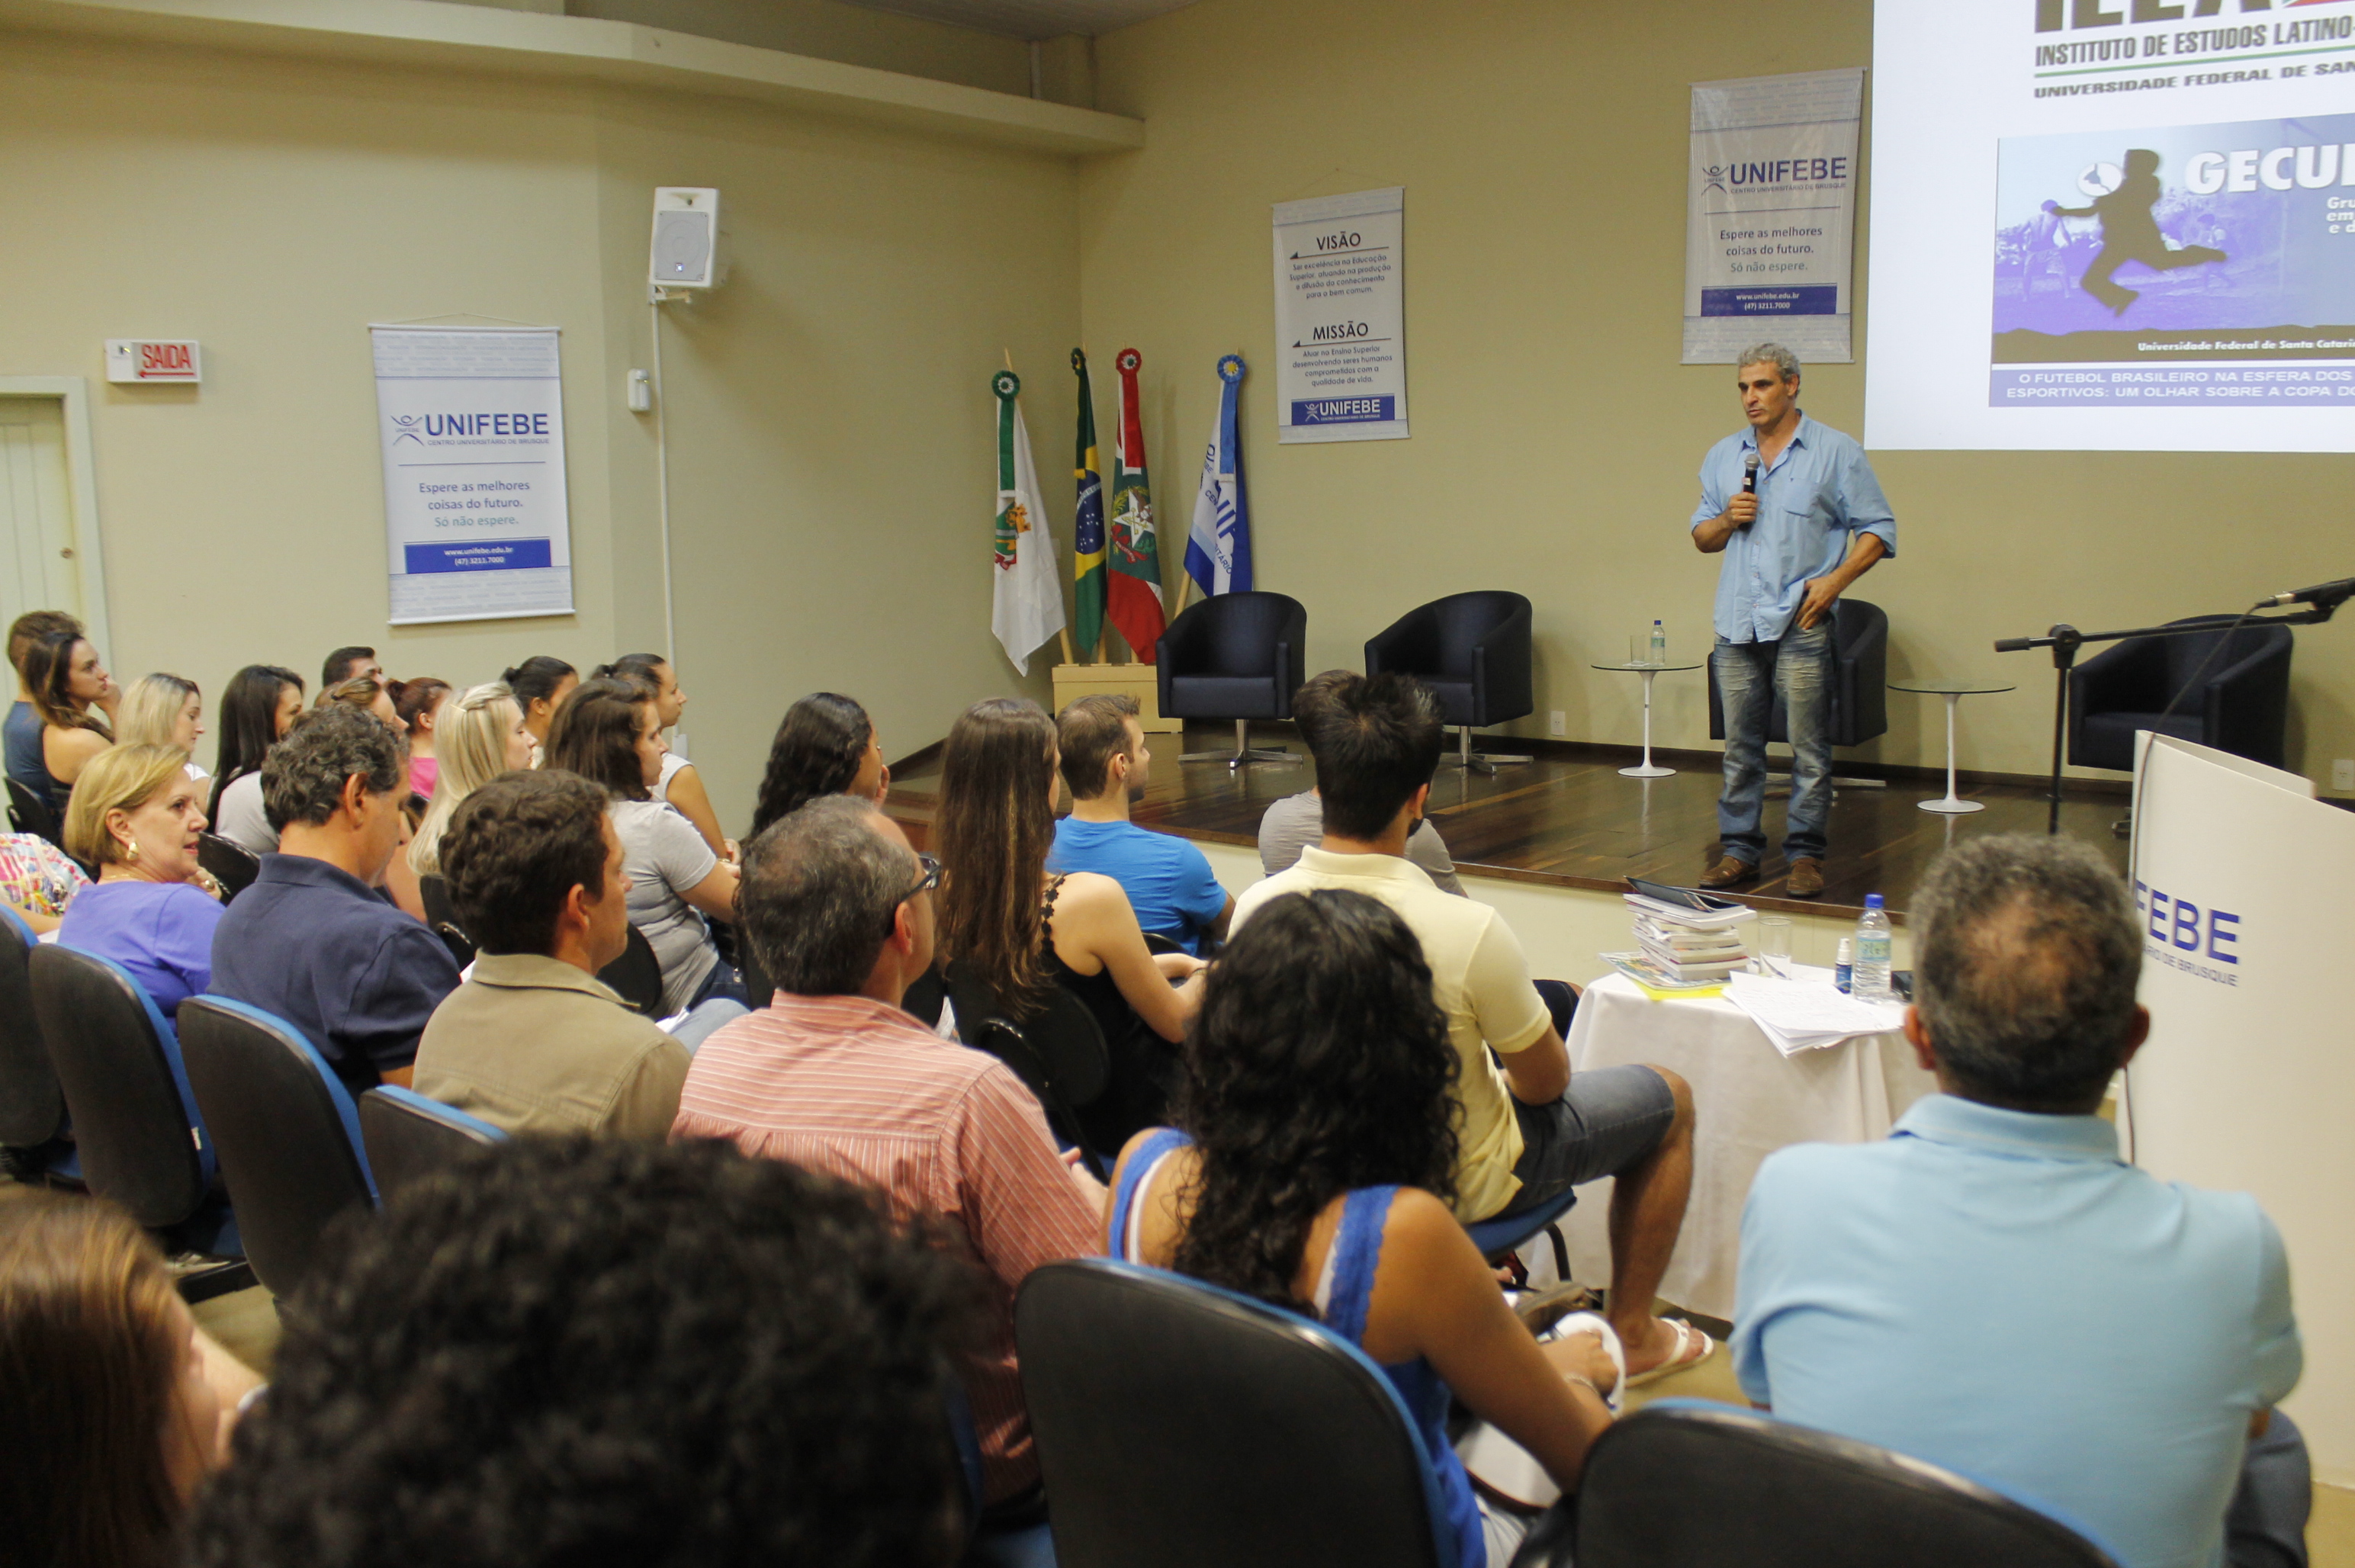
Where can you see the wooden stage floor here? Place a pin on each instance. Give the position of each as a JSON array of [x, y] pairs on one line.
[[1569, 819]]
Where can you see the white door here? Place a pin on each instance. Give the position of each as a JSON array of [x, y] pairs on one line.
[[38, 569]]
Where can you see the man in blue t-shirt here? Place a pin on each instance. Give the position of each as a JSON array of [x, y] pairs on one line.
[[1168, 880], [1991, 1289]]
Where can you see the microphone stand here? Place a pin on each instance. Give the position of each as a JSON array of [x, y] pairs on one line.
[[2064, 640]]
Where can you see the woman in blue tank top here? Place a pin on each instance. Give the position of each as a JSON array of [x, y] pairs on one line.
[[1315, 1173]]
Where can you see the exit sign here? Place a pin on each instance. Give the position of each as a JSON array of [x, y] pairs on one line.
[[147, 360]]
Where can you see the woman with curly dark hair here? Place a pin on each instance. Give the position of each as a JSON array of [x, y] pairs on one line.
[[1315, 1170], [566, 1352], [826, 744], [1010, 928]]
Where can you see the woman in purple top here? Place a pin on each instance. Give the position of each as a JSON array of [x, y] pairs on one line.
[[136, 816]]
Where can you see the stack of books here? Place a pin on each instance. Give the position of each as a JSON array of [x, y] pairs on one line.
[[1687, 941]]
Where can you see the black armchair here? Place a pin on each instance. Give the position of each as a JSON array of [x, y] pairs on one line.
[[1472, 651], [1860, 679], [2241, 706], [1235, 656]]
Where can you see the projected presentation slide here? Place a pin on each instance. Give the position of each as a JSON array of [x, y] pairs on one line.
[[2118, 224]]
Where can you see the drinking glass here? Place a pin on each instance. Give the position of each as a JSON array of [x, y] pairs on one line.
[[1773, 944]]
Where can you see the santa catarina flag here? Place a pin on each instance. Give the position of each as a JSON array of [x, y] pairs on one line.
[[1087, 524], [1027, 602], [1218, 548], [1135, 606]]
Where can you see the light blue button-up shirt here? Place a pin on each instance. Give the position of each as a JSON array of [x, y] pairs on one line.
[[1818, 492], [1998, 1292]]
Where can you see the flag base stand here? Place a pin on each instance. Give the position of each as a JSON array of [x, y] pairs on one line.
[[1244, 752], [1142, 681]]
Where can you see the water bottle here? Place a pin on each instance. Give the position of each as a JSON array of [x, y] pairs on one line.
[[1659, 655], [1844, 967], [1869, 979]]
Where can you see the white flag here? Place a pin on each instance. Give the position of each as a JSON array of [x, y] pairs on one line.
[[1027, 607]]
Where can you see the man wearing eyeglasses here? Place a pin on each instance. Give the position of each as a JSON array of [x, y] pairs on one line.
[[833, 1076]]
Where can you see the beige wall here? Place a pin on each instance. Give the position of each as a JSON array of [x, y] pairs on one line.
[[1556, 438], [830, 419]]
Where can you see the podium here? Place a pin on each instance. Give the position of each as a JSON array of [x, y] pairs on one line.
[[2243, 881]]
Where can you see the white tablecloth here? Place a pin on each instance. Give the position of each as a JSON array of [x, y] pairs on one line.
[[1748, 1101]]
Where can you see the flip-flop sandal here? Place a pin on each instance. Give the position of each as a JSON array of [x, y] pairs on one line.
[[1678, 1361]]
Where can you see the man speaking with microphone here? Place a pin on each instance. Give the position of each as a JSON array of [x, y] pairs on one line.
[[1793, 507]]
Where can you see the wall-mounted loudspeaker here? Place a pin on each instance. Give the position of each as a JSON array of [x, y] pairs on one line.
[[686, 237]]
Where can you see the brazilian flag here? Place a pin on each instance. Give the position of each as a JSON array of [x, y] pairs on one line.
[[1088, 528]]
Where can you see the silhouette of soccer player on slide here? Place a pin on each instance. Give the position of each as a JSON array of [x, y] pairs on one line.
[[2129, 233]]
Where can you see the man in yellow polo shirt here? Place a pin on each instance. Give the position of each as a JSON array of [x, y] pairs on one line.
[[1528, 1129]]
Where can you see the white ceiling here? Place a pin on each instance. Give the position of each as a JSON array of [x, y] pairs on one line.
[[1031, 18]]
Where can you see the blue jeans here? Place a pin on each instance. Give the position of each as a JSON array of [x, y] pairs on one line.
[[1750, 676]]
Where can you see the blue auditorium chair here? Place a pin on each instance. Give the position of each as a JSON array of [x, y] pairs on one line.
[[289, 1135], [410, 1137]]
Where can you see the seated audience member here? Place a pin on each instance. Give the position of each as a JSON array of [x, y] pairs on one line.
[[163, 711], [1530, 1129], [1320, 1142], [479, 736], [68, 683], [606, 733], [135, 816], [373, 695], [540, 684], [310, 940], [419, 704], [349, 664], [1296, 821], [1993, 1289], [569, 1351], [1167, 880], [1013, 928], [532, 1041], [122, 1404], [826, 744], [37, 881], [20, 737], [261, 703], [681, 785], [833, 1076]]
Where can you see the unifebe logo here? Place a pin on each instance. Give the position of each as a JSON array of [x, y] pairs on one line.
[[407, 424]]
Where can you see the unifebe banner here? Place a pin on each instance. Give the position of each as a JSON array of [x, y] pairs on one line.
[[1770, 215], [2103, 226], [471, 422], [1340, 317], [2243, 1085]]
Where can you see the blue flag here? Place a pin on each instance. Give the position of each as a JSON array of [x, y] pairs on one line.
[[1218, 547]]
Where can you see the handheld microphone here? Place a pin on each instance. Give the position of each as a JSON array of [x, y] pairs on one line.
[[2321, 593], [1750, 474]]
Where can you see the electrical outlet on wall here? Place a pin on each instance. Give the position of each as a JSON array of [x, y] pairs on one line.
[[1556, 723], [2342, 773]]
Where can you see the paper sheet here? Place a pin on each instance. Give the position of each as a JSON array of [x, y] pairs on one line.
[[1803, 1015]]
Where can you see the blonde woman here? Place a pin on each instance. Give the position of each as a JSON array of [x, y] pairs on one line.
[[163, 709], [132, 1401], [478, 737], [136, 816]]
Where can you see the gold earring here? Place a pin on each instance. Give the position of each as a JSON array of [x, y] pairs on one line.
[[135, 849]]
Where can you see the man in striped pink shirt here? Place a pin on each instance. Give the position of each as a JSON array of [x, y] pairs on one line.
[[832, 1075]]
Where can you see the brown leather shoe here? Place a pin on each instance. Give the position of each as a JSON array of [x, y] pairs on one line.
[[1729, 872], [1807, 878]]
